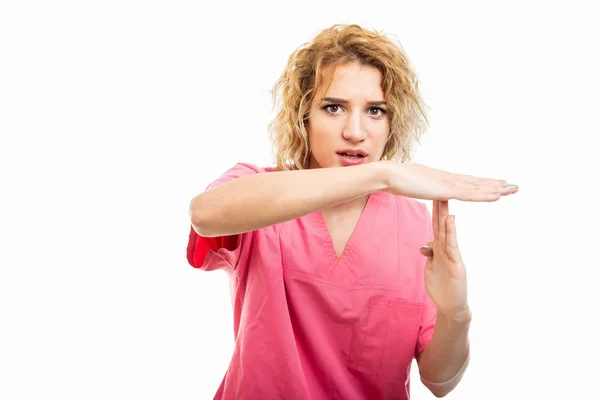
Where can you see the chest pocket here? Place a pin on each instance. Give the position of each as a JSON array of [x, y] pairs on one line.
[[383, 343]]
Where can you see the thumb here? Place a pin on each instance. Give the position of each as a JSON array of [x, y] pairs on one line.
[[426, 250]]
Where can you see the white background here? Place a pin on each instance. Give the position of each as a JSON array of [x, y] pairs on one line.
[[114, 114]]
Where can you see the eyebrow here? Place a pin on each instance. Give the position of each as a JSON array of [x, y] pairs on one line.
[[342, 101]]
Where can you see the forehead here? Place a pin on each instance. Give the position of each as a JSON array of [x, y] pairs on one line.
[[352, 82]]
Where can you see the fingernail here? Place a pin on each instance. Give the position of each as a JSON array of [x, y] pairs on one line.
[[511, 187], [426, 247]]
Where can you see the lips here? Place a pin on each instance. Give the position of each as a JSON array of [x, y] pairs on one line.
[[352, 153], [352, 157]]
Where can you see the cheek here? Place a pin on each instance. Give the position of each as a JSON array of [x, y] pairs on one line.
[[381, 138], [321, 130], [381, 133]]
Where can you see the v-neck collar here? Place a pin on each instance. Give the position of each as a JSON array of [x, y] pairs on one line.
[[359, 228]]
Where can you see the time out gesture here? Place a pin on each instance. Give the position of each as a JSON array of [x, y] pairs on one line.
[[445, 273]]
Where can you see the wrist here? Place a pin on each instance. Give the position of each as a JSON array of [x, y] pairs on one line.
[[382, 171], [463, 316]]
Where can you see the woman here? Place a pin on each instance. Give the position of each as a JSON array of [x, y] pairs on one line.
[[339, 277]]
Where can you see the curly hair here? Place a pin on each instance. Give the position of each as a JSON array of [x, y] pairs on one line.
[[340, 44]]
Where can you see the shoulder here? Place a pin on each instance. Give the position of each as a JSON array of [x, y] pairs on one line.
[[244, 168], [239, 170]]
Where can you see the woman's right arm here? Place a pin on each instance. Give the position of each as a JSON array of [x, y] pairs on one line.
[[253, 202]]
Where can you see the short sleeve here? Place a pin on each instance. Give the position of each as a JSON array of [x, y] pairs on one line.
[[225, 252], [429, 313]]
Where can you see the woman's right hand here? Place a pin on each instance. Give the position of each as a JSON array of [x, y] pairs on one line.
[[421, 182]]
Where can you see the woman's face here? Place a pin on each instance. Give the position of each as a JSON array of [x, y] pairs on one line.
[[348, 125]]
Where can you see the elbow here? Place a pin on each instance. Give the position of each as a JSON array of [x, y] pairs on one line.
[[199, 218], [439, 390], [440, 386], [203, 228], [439, 394], [200, 229]]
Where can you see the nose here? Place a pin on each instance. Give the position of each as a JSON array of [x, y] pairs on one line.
[[353, 128]]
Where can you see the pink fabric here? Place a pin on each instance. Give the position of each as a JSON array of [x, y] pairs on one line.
[[310, 326]]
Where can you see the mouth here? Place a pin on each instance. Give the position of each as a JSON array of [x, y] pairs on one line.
[[353, 154]]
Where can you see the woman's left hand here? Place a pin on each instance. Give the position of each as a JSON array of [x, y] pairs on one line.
[[445, 273]]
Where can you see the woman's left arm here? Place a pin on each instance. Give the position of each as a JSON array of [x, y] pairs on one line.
[[444, 360], [446, 357]]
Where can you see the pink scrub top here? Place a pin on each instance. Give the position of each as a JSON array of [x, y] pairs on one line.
[[308, 325]]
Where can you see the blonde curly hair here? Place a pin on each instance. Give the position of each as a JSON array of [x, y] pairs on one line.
[[340, 44]]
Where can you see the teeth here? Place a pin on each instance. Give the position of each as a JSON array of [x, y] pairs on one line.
[[351, 155]]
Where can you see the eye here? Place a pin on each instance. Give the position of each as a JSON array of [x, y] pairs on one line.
[[377, 112], [332, 108]]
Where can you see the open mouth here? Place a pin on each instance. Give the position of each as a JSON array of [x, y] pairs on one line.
[[352, 155]]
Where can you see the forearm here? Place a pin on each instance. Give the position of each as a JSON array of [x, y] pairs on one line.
[[253, 202], [446, 357]]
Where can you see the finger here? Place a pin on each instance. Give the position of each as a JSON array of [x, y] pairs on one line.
[[427, 250], [451, 239], [504, 188], [510, 189], [484, 193], [473, 188], [442, 216], [452, 242], [434, 218], [476, 180]]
